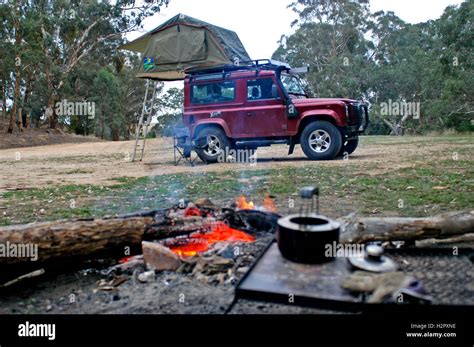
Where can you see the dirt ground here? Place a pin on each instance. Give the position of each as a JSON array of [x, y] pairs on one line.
[[30, 137], [99, 163]]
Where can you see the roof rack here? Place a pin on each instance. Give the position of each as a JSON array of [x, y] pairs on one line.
[[259, 64]]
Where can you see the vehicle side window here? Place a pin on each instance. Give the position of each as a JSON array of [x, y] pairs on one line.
[[213, 92], [262, 89]]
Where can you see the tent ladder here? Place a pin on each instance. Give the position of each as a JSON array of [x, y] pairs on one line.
[[144, 121]]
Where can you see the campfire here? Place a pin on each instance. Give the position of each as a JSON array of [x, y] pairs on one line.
[[212, 226]]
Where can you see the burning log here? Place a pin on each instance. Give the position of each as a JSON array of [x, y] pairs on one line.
[[443, 226], [77, 240], [73, 239], [177, 226]]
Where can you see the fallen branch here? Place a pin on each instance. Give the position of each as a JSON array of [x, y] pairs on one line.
[[443, 226], [450, 241], [35, 273]]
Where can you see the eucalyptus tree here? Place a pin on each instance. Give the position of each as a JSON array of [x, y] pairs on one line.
[[330, 40], [71, 30]]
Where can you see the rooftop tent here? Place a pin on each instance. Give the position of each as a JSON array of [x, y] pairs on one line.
[[183, 44]]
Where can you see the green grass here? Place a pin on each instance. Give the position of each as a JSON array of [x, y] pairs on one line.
[[405, 140], [410, 192]]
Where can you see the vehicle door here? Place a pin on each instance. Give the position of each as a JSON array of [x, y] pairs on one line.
[[264, 109]]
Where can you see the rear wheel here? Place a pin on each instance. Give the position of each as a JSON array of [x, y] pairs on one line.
[[349, 147], [212, 145], [321, 140]]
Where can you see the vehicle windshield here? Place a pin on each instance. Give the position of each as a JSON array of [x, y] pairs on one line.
[[293, 85]]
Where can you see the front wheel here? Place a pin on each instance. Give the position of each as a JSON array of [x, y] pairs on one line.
[[321, 140], [349, 147], [212, 145]]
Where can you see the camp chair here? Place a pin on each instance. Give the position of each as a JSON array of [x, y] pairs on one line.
[[182, 146]]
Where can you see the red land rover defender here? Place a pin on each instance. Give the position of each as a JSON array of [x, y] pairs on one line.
[[261, 103]]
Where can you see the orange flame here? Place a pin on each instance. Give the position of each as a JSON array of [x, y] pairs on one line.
[[269, 204], [199, 242], [243, 204]]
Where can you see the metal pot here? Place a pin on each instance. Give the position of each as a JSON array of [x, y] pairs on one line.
[[303, 238]]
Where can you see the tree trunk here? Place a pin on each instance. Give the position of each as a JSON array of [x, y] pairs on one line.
[[4, 97], [115, 134], [16, 93], [28, 91], [53, 116], [28, 120], [19, 121], [16, 97]]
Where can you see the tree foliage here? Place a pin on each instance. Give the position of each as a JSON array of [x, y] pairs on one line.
[[380, 58], [170, 111], [65, 49]]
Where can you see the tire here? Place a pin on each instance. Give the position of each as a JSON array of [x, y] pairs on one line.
[[349, 147], [219, 140], [321, 140]]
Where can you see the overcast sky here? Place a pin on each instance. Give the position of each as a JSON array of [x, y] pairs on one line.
[[261, 23]]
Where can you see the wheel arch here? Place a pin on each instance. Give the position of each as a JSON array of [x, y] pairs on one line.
[[313, 118], [214, 124]]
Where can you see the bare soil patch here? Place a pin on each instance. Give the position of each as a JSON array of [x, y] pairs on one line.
[[100, 163]]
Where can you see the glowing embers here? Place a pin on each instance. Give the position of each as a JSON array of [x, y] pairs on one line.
[[201, 242]]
